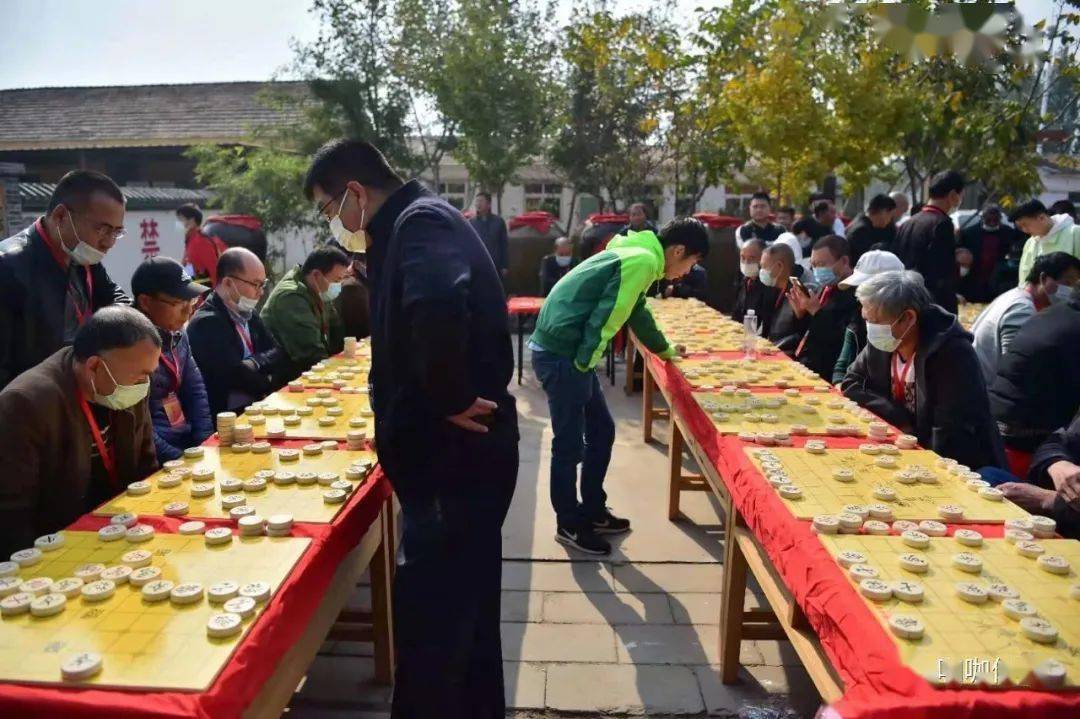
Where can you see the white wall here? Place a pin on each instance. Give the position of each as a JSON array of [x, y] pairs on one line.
[[138, 243]]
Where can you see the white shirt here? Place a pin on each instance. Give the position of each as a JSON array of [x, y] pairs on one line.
[[838, 227], [995, 328]]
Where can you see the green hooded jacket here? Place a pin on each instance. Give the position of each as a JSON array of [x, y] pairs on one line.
[[595, 299], [306, 327]]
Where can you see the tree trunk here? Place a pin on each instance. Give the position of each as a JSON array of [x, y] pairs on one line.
[[570, 217]]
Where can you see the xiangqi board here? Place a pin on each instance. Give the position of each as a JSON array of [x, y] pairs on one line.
[[792, 411], [305, 415], [908, 484], [972, 620], [708, 374], [143, 644], [232, 474]]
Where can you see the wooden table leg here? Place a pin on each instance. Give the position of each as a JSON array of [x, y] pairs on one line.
[[647, 389], [731, 601], [629, 359], [381, 609], [675, 452]]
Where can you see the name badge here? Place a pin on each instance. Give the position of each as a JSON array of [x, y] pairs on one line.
[[173, 411]]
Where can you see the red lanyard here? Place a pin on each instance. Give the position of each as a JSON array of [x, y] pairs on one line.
[[174, 368], [107, 458], [932, 208], [245, 337], [780, 299], [899, 377], [81, 313]]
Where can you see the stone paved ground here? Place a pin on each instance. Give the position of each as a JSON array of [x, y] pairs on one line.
[[635, 635]]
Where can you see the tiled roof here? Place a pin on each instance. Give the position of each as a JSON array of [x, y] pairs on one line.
[[35, 197], [140, 115]]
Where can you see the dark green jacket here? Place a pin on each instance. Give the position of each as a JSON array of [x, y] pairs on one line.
[[307, 328], [595, 299]]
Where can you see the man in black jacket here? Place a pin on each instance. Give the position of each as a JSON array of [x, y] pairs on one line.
[[875, 227], [51, 277], [927, 242], [989, 241], [238, 357], [445, 424], [750, 294], [492, 231], [827, 312], [554, 266], [779, 320], [759, 227], [920, 373], [1037, 388]]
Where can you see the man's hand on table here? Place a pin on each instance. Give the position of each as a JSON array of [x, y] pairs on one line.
[[1066, 477], [480, 408]]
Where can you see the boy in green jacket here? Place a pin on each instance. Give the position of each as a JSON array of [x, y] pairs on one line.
[[580, 316]]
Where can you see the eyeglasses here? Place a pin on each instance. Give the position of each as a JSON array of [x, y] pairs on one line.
[[260, 286], [104, 230]]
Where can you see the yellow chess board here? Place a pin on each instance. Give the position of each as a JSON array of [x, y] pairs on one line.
[[970, 312], [351, 372], [303, 502], [961, 637], [717, 373], [147, 646], [352, 405], [700, 328], [822, 494], [779, 412]]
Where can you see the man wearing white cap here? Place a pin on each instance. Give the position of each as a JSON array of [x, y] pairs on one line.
[[871, 263]]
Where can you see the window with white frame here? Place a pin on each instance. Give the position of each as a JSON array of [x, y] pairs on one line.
[[454, 193], [546, 196]]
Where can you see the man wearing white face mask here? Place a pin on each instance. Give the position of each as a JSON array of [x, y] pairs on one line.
[[300, 310], [51, 277], [919, 372], [238, 357], [555, 266], [77, 428]]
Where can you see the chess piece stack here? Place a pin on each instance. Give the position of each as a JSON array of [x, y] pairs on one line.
[[226, 423], [350, 347]]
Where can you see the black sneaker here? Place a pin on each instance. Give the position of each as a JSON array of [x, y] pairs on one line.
[[583, 540], [608, 523]]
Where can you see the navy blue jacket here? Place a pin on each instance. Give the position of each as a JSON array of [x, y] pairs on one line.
[[169, 441], [439, 337]]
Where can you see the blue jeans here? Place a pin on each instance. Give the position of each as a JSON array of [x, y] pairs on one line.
[[583, 434]]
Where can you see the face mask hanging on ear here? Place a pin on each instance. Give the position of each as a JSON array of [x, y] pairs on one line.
[[83, 254], [351, 240]]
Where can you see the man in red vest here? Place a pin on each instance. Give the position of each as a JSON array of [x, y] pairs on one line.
[[201, 252]]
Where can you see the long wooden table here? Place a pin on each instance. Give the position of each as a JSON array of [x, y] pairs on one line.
[[743, 555]]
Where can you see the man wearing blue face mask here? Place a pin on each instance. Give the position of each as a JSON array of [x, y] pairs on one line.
[[51, 277], [827, 312], [300, 310], [919, 372], [77, 429], [239, 359]]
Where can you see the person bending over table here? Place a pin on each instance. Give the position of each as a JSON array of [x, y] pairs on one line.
[[445, 424], [575, 324], [919, 372], [166, 294], [77, 428], [300, 311], [238, 357]]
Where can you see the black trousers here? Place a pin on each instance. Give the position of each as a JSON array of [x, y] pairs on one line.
[[447, 588]]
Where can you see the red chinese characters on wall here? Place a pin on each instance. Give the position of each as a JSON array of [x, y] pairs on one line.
[[149, 236]]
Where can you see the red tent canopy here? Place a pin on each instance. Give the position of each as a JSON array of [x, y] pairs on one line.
[[609, 218], [540, 221], [248, 221], [716, 222]]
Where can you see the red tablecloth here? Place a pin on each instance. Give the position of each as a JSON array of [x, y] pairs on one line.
[[877, 685], [255, 659], [524, 305]]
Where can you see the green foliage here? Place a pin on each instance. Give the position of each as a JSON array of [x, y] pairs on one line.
[[486, 65]]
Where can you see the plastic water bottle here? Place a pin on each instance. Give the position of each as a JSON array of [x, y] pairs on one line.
[[750, 325]]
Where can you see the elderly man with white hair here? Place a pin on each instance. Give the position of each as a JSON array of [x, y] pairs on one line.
[[920, 373], [554, 266]]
